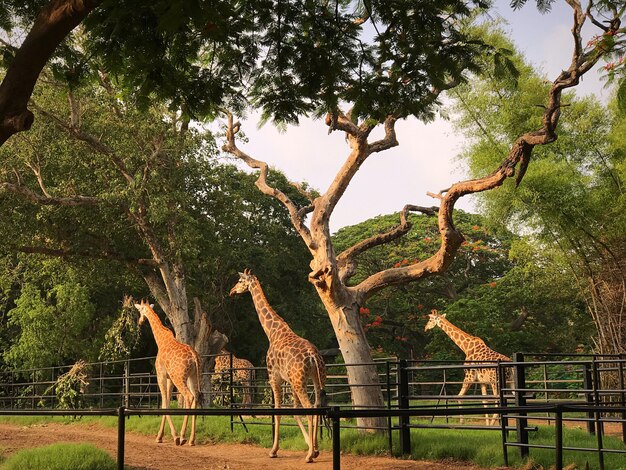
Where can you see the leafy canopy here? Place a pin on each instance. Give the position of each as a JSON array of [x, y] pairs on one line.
[[287, 58]]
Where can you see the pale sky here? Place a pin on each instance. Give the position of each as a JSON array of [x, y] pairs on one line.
[[425, 159]]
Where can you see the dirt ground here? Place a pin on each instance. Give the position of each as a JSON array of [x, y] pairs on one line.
[[143, 453]]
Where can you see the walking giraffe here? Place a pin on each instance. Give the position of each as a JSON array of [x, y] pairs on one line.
[[290, 358], [476, 352], [243, 372], [176, 364]]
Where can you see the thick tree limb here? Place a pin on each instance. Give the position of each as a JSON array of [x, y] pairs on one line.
[[55, 21], [93, 142], [47, 200], [68, 253], [297, 217], [346, 260], [520, 153]]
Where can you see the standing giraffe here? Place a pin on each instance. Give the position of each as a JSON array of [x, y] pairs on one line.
[[243, 372], [290, 358], [476, 352], [176, 364]]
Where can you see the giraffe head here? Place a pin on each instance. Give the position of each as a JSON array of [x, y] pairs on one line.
[[434, 319], [246, 278], [143, 307]]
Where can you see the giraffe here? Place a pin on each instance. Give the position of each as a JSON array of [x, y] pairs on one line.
[[290, 358], [243, 372], [177, 364], [476, 352]]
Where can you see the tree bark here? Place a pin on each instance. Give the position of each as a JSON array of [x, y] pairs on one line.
[[54, 22], [355, 350]]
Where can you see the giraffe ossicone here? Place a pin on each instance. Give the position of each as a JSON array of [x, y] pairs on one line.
[[177, 364], [476, 353], [290, 358]]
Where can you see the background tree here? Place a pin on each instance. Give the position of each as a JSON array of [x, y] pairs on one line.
[[572, 199], [494, 273], [425, 80], [146, 195]]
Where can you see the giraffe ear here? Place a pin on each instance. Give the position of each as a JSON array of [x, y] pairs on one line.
[[138, 306], [241, 274], [151, 305], [443, 315]]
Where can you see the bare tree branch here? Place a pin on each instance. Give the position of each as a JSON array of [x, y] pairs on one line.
[[295, 214], [68, 253], [95, 143], [47, 200], [520, 153], [346, 260]]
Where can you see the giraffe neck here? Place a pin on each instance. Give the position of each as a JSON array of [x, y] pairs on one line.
[[462, 339], [272, 323], [161, 334]]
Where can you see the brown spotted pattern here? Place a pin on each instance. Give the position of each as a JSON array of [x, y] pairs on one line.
[[476, 352], [177, 365], [290, 359], [243, 373]]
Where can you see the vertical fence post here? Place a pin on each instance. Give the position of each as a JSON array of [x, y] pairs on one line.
[[127, 383], [598, 415], [403, 403], [121, 431], [589, 397], [520, 401], [389, 419], [558, 438], [53, 396], [622, 359], [101, 386], [504, 421], [231, 394], [334, 415]]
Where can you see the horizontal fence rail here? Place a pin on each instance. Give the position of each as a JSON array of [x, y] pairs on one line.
[[540, 388], [335, 414]]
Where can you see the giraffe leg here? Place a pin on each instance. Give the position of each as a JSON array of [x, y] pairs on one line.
[[276, 390], [494, 417], [483, 391], [170, 387], [303, 398], [191, 397], [466, 385], [189, 400]]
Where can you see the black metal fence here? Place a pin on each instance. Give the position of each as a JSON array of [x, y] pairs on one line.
[[587, 390]]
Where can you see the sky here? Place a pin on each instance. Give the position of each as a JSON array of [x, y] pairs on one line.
[[426, 159]]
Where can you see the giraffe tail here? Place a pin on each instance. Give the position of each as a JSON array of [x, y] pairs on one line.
[[324, 418], [199, 397]]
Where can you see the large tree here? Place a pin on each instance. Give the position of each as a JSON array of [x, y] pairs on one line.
[[147, 194], [410, 86]]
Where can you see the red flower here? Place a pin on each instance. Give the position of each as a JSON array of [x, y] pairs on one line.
[[475, 227], [492, 284]]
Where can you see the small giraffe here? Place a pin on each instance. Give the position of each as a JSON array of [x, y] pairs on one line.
[[243, 373], [176, 364], [476, 352], [290, 358]]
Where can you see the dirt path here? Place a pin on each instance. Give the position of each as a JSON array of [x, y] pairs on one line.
[[143, 453]]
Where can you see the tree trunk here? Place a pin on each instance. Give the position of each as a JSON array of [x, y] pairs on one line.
[[355, 350]]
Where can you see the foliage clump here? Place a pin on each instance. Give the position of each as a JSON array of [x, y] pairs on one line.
[[123, 336], [70, 387]]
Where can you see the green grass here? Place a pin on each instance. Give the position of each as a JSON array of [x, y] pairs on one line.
[[60, 457], [480, 447]]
